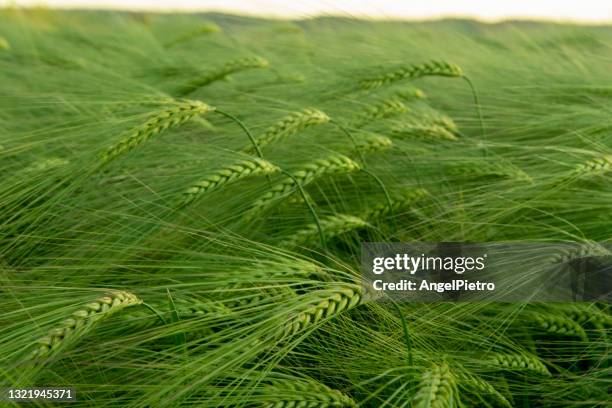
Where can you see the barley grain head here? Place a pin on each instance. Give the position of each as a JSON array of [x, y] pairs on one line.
[[226, 175], [81, 321], [290, 125], [413, 71], [4, 44], [157, 123]]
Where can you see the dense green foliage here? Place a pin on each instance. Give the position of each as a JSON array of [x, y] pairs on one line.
[[152, 256]]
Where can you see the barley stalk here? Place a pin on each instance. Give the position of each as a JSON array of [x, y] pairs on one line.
[[81, 321], [518, 362], [303, 393], [413, 71], [227, 175], [290, 125], [335, 164], [437, 389], [332, 226], [221, 72], [157, 123]]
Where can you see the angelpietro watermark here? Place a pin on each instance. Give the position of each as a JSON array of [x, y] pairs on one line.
[[505, 272]]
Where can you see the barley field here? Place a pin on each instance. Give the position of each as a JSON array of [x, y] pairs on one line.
[[184, 199]]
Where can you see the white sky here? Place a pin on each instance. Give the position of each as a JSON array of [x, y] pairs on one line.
[[593, 11]]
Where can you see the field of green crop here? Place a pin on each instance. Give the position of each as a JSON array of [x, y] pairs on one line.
[[183, 199]]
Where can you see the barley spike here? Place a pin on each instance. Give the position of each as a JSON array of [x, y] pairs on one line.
[[81, 321], [398, 202], [221, 72], [424, 131], [332, 226], [208, 28], [567, 254], [558, 325], [413, 71], [586, 314], [594, 167], [290, 125], [411, 94], [490, 169], [479, 386], [335, 164], [372, 143], [157, 123], [4, 44], [437, 389], [518, 361], [229, 174], [382, 109], [304, 393], [321, 305]]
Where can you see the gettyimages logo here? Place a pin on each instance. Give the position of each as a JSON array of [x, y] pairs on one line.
[[489, 271]]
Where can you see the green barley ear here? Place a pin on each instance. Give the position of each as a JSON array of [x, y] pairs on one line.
[[433, 119], [437, 389], [593, 168], [81, 321], [332, 226], [423, 131], [380, 110], [288, 393], [290, 125], [215, 74], [446, 122], [4, 44], [485, 169], [586, 314], [478, 386], [566, 254], [250, 298], [410, 94], [157, 123], [558, 325], [413, 71], [142, 101], [336, 164], [204, 29], [191, 306], [400, 201], [517, 362], [45, 164], [371, 143], [321, 305], [227, 175]]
